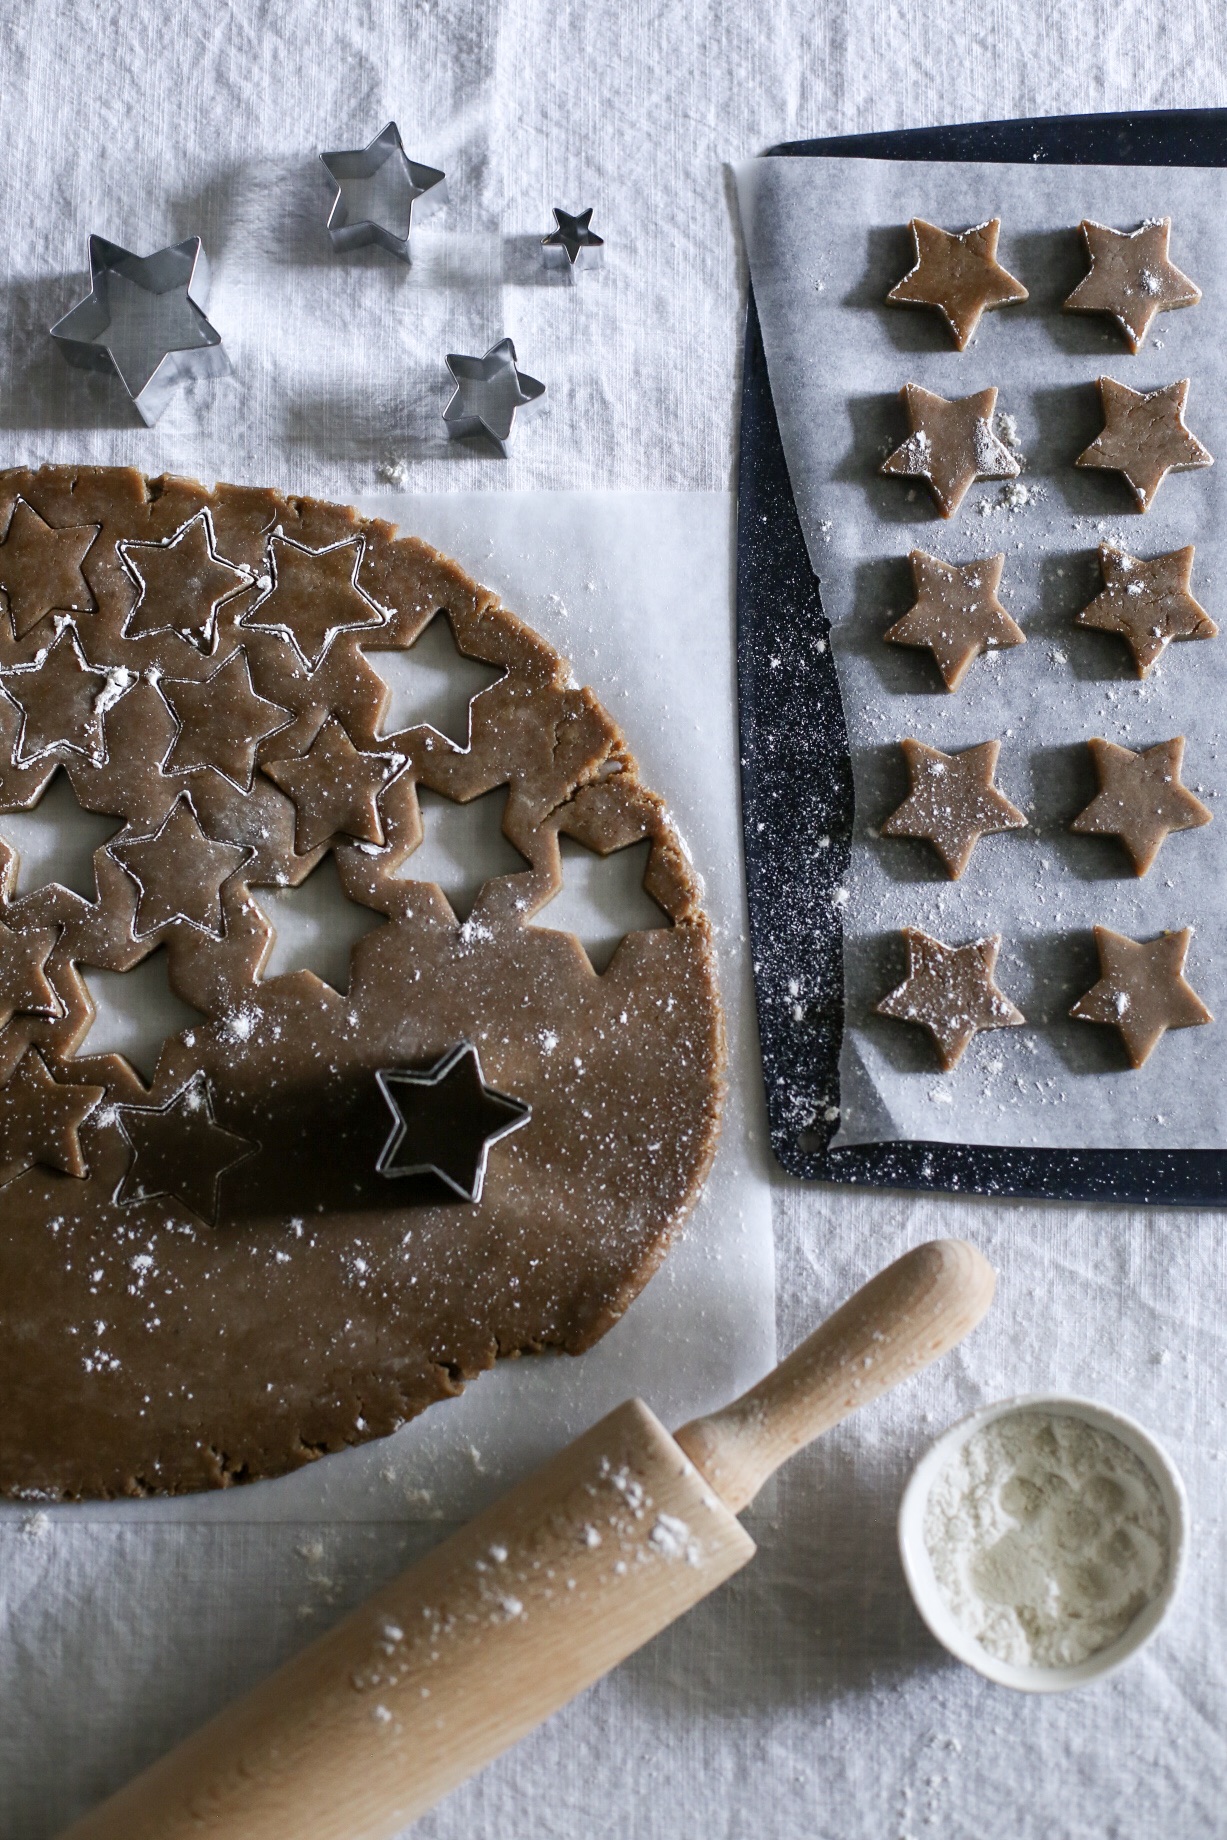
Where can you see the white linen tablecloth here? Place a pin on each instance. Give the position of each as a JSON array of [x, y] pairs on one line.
[[805, 1699]]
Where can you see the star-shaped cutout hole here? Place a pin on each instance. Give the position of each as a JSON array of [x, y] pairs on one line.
[[951, 992], [311, 595], [1144, 438], [956, 614], [957, 275], [315, 927], [950, 446], [463, 847], [56, 840], [180, 871], [1141, 798], [222, 722], [1147, 603], [379, 191], [181, 583], [953, 801], [432, 684], [63, 700], [602, 899], [40, 568], [1131, 277], [573, 244], [135, 1012], [144, 321], [446, 1120], [40, 1117], [1142, 990], [489, 392], [24, 990], [179, 1151], [335, 788]]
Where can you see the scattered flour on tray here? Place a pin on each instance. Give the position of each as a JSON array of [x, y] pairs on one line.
[[1047, 1536]]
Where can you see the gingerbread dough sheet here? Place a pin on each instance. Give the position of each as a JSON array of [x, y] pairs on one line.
[[210, 1280], [827, 239]]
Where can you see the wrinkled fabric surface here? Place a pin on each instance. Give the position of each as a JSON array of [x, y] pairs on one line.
[[806, 1699]]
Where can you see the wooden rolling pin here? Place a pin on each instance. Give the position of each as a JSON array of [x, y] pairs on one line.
[[534, 1600]]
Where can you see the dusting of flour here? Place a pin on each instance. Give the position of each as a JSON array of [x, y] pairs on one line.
[[1047, 1536]]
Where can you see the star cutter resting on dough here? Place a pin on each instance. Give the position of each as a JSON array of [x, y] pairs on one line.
[[381, 194], [449, 1101], [572, 245], [489, 391], [143, 321]]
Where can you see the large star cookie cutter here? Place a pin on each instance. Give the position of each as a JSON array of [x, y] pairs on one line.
[[381, 194], [446, 1121], [489, 392], [143, 321]]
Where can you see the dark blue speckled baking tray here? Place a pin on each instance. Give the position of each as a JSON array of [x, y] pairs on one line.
[[796, 774]]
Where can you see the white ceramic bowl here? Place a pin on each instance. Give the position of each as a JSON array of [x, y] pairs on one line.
[[927, 1593]]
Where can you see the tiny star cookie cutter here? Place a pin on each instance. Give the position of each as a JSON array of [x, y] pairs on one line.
[[424, 1102], [381, 194], [489, 391], [144, 322], [572, 244]]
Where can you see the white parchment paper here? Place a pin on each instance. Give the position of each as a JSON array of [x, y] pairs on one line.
[[827, 238], [635, 589]]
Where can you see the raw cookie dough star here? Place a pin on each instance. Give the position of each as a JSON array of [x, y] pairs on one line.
[[957, 274], [1147, 603], [181, 583], [63, 700], [1131, 278], [24, 990], [1142, 990], [953, 801], [222, 722], [311, 595], [951, 992], [180, 871], [40, 568], [956, 614], [951, 445], [446, 1121], [335, 788], [179, 1150], [1144, 437], [40, 1118], [1140, 798]]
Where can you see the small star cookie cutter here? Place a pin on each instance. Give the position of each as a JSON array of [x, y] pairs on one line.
[[572, 245], [489, 392], [144, 322], [392, 192], [417, 1146]]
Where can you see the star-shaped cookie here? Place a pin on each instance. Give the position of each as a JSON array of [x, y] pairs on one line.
[[222, 722], [953, 801], [24, 990], [1141, 799], [179, 1150], [951, 992], [181, 583], [1144, 437], [40, 1118], [62, 700], [311, 595], [1148, 603], [180, 871], [40, 568], [1131, 277], [956, 614], [446, 1121], [335, 788], [951, 445], [957, 274], [1142, 990]]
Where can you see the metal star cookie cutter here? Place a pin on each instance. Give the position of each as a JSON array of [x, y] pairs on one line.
[[571, 245], [143, 321], [387, 188], [450, 1068], [489, 391]]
